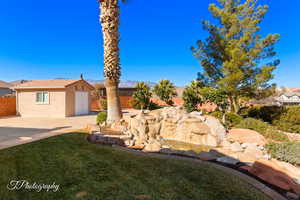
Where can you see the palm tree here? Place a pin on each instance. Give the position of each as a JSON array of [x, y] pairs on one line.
[[110, 20]]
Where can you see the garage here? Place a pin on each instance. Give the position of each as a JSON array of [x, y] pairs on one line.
[[81, 103], [53, 98]]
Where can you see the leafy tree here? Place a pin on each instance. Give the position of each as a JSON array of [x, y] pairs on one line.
[[142, 96], [233, 55], [192, 97], [165, 90], [216, 96]]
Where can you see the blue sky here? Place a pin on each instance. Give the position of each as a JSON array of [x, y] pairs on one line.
[[61, 39]]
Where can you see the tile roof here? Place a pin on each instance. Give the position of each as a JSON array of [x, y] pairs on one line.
[[57, 83], [5, 85]]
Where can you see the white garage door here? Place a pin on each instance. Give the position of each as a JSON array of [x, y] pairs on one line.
[[81, 103]]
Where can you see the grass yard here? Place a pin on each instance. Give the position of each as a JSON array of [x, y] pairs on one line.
[[86, 171]]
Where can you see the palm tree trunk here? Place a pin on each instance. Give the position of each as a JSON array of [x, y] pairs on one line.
[[110, 20], [113, 101]]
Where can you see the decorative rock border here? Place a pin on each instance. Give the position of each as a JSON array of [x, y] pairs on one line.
[[253, 182]]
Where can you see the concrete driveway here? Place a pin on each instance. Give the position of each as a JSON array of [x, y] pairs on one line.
[[12, 128]]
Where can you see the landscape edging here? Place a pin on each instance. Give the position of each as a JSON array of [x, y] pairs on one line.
[[253, 182]]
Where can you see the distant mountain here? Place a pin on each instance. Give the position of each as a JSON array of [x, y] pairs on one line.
[[17, 82], [123, 84], [4, 84]]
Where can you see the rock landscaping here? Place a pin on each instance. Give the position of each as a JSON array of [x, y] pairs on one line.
[[149, 131]]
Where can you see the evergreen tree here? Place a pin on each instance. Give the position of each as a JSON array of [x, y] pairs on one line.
[[235, 58], [165, 90]]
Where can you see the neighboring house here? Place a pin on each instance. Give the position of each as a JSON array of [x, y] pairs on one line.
[[289, 98], [123, 91], [5, 88], [53, 98]]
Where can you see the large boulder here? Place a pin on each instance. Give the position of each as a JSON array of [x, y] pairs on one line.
[[175, 124], [246, 136], [272, 172]]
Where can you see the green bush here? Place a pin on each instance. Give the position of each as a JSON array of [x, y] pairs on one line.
[[289, 120], [284, 118], [217, 114], [232, 119], [263, 128], [288, 152], [253, 124], [101, 117], [264, 113], [103, 104], [150, 106], [273, 134]]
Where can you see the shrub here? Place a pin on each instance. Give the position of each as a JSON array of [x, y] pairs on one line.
[[289, 119], [288, 152], [284, 118], [142, 96], [101, 117], [165, 90], [191, 97], [217, 114], [151, 105], [263, 128], [254, 124], [264, 113], [273, 134], [232, 119], [103, 104]]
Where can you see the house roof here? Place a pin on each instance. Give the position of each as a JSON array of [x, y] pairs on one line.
[[290, 94], [5, 85], [17, 82], [43, 84]]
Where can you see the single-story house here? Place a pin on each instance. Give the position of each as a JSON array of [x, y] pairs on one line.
[[53, 98], [123, 91], [289, 99], [5, 88]]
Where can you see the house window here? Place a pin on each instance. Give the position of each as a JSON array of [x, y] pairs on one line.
[[42, 97]]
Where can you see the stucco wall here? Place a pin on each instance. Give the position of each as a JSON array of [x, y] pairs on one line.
[[70, 96], [27, 106]]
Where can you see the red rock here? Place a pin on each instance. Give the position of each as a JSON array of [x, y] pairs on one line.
[[246, 136], [247, 168], [272, 173]]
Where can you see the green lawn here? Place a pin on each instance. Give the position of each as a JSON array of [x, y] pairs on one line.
[[86, 171]]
